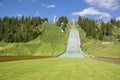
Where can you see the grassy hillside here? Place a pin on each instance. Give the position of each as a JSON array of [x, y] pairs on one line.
[[98, 48], [59, 69], [51, 42]]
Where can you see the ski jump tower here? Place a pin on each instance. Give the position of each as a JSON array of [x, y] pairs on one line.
[[54, 19]]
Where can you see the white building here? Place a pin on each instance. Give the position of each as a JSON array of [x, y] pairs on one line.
[[54, 19]]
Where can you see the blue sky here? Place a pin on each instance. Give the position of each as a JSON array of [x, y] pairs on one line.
[[97, 9]]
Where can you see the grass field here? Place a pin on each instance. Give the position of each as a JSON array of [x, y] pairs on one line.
[[51, 42], [105, 50], [98, 48], [59, 69]]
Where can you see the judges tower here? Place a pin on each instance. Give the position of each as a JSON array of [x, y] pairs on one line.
[[54, 19]]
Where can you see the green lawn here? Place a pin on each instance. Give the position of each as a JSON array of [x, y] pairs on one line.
[[59, 69], [105, 50], [98, 48], [51, 42]]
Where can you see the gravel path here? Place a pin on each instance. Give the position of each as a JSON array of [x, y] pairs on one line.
[[73, 49]]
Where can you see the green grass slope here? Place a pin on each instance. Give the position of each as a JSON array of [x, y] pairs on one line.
[[105, 50], [51, 42], [59, 69], [98, 48]]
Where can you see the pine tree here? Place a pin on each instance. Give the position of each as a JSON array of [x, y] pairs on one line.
[[63, 19]]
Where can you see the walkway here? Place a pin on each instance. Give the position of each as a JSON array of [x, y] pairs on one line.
[[73, 45]]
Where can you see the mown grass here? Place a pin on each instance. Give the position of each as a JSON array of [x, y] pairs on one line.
[[51, 42], [59, 69], [98, 48], [110, 50]]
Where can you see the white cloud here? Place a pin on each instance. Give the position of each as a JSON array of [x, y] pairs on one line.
[[118, 18], [92, 11], [19, 15], [88, 11], [49, 6], [108, 4]]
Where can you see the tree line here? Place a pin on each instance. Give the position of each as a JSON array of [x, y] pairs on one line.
[[97, 30], [20, 29], [63, 19], [89, 26], [26, 28], [115, 22]]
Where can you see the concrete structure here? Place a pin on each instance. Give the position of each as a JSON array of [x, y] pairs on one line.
[[54, 19], [73, 45]]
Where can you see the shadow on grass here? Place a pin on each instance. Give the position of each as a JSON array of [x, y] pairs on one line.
[[16, 58], [106, 59]]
